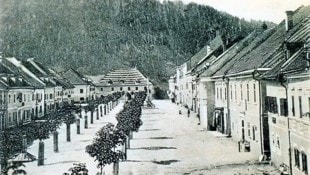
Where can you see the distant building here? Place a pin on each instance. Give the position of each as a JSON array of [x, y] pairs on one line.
[[83, 87], [122, 80], [18, 103]]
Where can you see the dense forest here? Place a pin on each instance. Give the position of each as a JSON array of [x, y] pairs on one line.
[[95, 36]]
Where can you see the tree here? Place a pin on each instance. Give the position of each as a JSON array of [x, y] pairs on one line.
[[68, 120], [104, 144]]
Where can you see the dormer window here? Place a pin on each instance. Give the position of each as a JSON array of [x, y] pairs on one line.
[[110, 81], [122, 81]]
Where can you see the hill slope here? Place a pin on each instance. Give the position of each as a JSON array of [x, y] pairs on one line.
[[94, 36]]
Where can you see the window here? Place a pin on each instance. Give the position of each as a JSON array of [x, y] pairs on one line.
[[304, 163], [293, 106], [221, 96], [9, 98], [112, 88], [40, 110], [82, 99], [235, 92], [283, 107], [81, 91], [247, 92], [217, 93], [145, 88], [14, 98], [241, 95], [296, 156], [137, 88], [300, 106], [225, 93], [129, 88], [231, 92], [271, 104], [253, 129], [121, 88], [51, 96], [249, 129], [254, 93]]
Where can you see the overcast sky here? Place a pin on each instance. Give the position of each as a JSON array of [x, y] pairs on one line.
[[271, 10]]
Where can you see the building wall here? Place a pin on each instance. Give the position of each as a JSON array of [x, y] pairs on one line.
[[49, 99], [299, 88], [239, 97], [278, 126], [38, 103], [106, 90], [81, 93], [3, 107], [19, 107]]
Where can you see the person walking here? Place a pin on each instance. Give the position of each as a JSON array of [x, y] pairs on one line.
[[188, 112]]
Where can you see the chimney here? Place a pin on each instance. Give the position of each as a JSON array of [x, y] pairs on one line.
[[289, 20]]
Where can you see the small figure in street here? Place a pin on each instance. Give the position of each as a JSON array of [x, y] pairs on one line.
[[188, 112]]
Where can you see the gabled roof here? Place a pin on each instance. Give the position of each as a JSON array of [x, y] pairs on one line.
[[74, 77], [264, 53], [229, 54], [297, 62], [248, 45], [205, 53], [16, 70]]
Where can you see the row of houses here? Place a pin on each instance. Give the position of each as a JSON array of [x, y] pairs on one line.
[[256, 90], [29, 90]]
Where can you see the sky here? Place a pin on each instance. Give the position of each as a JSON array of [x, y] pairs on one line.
[[269, 10]]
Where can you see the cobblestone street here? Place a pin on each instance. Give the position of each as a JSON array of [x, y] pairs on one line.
[[169, 143]]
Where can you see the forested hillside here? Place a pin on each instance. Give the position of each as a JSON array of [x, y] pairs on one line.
[[94, 36]]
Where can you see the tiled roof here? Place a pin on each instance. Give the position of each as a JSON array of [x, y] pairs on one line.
[[298, 34], [122, 76], [249, 44], [40, 72], [74, 77], [296, 63], [17, 71], [263, 48], [276, 63], [229, 54], [214, 45]]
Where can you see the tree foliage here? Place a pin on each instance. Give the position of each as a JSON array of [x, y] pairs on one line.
[[129, 119], [104, 144]]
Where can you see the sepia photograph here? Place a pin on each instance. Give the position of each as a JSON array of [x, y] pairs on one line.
[[154, 87]]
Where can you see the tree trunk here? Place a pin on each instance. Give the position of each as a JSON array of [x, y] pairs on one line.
[[115, 168], [41, 153], [125, 151], [127, 142], [55, 141], [4, 164], [86, 122], [78, 126], [68, 129], [101, 111], [91, 117], [130, 135]]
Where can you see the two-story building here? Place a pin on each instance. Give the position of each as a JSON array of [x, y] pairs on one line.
[[17, 97], [83, 87], [123, 79], [287, 98]]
